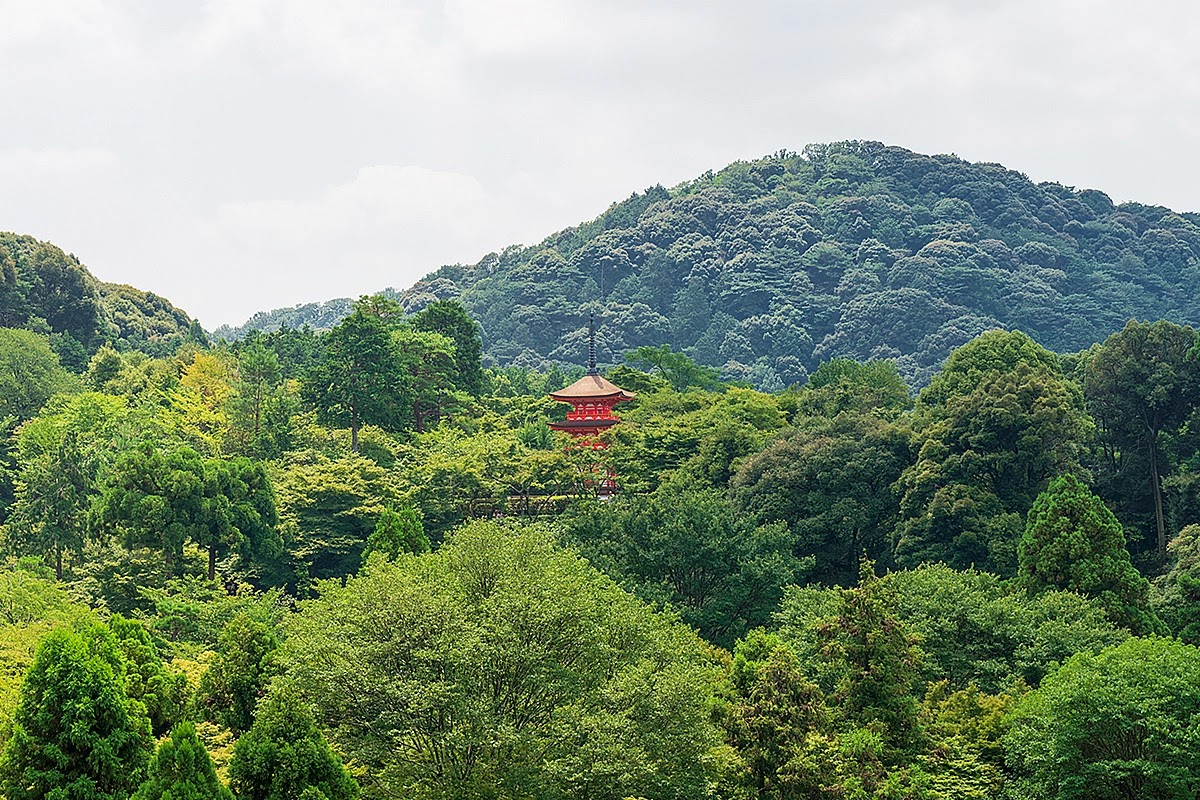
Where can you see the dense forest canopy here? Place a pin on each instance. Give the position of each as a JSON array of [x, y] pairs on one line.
[[767, 268], [358, 562]]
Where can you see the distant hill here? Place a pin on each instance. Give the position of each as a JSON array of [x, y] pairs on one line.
[[46, 290], [768, 267]]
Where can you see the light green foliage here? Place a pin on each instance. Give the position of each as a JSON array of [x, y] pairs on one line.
[[978, 630], [701, 435], [830, 482], [328, 508], [1072, 541], [29, 374], [31, 606], [452, 475], [965, 757], [996, 424], [284, 756], [238, 677], [515, 668], [191, 610], [692, 552], [76, 735], [681, 372], [397, 532], [1178, 598], [147, 679], [60, 456], [182, 770], [1114, 725], [843, 384]]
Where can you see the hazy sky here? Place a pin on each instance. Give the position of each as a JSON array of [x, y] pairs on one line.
[[240, 155]]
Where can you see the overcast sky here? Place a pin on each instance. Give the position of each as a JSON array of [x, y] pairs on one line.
[[241, 155]]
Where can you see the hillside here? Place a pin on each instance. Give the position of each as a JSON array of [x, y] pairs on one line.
[[49, 291], [856, 249]]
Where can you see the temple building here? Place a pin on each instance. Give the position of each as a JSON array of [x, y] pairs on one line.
[[592, 399]]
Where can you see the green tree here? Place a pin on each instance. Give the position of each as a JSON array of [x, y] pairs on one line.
[[691, 551], [1179, 598], [830, 482], [29, 374], [237, 512], [879, 663], [450, 319], [994, 427], [397, 532], [1072, 541], [356, 378], [677, 368], [154, 499], [1119, 724], [76, 735], [1141, 385], [182, 770], [147, 679], [843, 384], [237, 677], [771, 710], [519, 669], [284, 756]]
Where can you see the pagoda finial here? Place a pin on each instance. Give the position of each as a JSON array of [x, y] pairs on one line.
[[592, 345]]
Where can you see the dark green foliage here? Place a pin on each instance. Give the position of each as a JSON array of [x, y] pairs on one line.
[[147, 680], [1142, 385], [878, 661], [846, 385], [994, 426], [285, 756], [182, 770], [48, 291], [830, 482], [1120, 724], [771, 709], [978, 630], [692, 552], [853, 249], [1072, 541], [76, 735], [237, 678], [153, 499], [354, 381], [397, 532], [450, 319]]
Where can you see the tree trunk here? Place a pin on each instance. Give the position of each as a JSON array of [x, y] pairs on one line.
[[58, 559], [353, 429], [212, 562], [1159, 521]]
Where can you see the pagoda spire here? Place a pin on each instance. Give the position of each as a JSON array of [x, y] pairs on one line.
[[592, 345]]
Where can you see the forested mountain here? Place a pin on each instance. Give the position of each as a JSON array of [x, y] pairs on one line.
[[48, 291], [855, 249]]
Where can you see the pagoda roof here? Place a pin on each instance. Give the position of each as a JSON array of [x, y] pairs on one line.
[[589, 386]]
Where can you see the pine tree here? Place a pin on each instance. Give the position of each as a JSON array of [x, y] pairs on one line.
[[284, 756], [146, 677], [76, 735], [182, 770], [1073, 541]]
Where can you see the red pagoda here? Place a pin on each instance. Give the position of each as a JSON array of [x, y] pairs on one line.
[[592, 399]]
